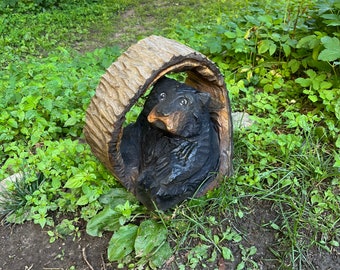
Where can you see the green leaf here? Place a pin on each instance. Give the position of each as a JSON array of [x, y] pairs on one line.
[[106, 220], [117, 196], [71, 121], [332, 51], [48, 104], [241, 266], [337, 143], [76, 181], [35, 136], [122, 242], [331, 19], [313, 98], [214, 45], [160, 257], [227, 254], [230, 34], [29, 102], [264, 46], [287, 50], [83, 200], [252, 251], [150, 235], [303, 82], [308, 42], [272, 48], [12, 123], [294, 65]]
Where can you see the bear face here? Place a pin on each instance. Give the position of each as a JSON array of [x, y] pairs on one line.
[[177, 108], [179, 113]]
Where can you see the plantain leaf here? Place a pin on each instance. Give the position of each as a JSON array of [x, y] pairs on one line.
[[150, 235], [106, 220], [122, 242]]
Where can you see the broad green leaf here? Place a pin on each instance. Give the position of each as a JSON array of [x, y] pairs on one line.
[[105, 220], [83, 200], [230, 34], [76, 181], [48, 104], [327, 94], [264, 46], [214, 44], [35, 137], [331, 19], [29, 102], [311, 73], [332, 51], [313, 98], [272, 48], [287, 50], [303, 82], [294, 65], [117, 196], [308, 42], [71, 121], [160, 257], [150, 235], [329, 55], [122, 242], [12, 123]]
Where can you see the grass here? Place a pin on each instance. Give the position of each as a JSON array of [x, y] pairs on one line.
[[289, 159]]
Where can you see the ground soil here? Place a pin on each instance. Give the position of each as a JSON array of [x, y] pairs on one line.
[[28, 246]]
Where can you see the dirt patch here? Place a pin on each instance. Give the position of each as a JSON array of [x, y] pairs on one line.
[[27, 246]]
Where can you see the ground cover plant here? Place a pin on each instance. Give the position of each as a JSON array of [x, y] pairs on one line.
[[281, 65]]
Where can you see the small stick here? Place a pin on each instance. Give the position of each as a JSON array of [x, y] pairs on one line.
[[103, 262], [85, 259]]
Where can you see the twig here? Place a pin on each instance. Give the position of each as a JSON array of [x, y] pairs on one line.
[[85, 259], [103, 262]]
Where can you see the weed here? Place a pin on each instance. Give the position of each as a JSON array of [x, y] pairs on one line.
[[15, 196]]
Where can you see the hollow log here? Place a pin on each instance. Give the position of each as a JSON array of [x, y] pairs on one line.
[[127, 79]]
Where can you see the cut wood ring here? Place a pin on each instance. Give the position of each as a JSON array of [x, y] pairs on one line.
[[127, 79]]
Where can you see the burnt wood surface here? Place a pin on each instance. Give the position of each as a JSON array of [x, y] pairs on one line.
[[173, 146]]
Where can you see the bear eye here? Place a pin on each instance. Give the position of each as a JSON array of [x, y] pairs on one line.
[[183, 102], [162, 96]]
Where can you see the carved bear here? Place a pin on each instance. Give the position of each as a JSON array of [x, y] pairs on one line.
[[173, 147]]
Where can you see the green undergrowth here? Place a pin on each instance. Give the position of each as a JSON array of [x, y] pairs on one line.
[[36, 28], [281, 65]]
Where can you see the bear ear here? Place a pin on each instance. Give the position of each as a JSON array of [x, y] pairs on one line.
[[204, 97]]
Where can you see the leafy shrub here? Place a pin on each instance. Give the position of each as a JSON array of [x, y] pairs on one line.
[[46, 99], [269, 56], [66, 26]]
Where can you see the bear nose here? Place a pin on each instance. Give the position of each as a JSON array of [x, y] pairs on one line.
[[155, 115], [159, 112]]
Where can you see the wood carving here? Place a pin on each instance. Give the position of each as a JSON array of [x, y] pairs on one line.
[[127, 79]]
